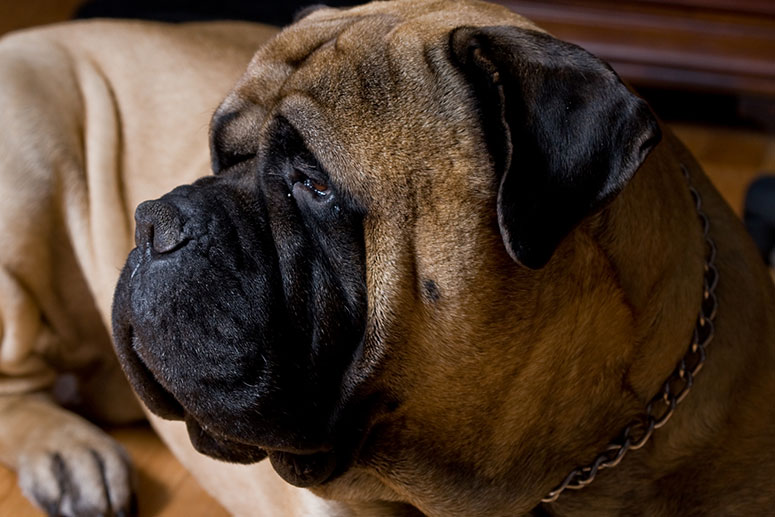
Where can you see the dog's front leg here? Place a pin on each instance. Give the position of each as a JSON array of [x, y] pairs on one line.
[[65, 464], [48, 321]]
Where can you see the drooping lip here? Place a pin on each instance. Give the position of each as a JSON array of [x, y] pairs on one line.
[[299, 467], [304, 470], [220, 447], [158, 400]]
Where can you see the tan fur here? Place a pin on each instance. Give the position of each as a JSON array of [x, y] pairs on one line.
[[514, 377], [97, 116], [510, 378]]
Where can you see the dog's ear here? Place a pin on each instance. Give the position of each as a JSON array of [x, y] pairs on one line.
[[565, 134]]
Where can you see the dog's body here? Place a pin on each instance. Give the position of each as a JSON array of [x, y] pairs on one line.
[[366, 197]]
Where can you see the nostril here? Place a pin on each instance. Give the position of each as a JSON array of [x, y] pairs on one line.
[[158, 224], [143, 229]]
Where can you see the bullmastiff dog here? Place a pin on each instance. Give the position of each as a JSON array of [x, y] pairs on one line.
[[445, 265]]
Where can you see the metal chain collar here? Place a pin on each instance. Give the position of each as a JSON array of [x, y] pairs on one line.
[[676, 387]]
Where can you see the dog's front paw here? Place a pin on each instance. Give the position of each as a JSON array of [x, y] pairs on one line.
[[77, 470]]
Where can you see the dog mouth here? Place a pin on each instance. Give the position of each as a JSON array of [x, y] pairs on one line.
[[299, 468], [226, 333], [302, 467], [304, 470]]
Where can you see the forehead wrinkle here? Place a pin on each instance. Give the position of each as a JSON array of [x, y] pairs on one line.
[[316, 126], [384, 124], [367, 29], [401, 58], [353, 28], [277, 61], [347, 45]]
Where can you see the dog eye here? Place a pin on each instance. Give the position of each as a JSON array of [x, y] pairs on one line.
[[318, 188]]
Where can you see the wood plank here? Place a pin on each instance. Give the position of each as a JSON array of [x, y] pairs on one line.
[[668, 46], [732, 158], [749, 6], [18, 15]]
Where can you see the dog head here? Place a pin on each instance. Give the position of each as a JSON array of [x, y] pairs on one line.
[[359, 286]]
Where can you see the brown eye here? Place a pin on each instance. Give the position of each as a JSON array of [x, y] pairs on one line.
[[309, 181], [318, 188]]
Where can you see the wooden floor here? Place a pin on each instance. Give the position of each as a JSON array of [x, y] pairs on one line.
[[164, 489], [732, 157]]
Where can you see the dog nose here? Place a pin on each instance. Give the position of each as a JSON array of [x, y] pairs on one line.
[[158, 224]]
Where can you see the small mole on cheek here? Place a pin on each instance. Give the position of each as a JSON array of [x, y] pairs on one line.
[[431, 290]]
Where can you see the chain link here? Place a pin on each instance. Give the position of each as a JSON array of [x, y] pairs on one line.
[[675, 388]]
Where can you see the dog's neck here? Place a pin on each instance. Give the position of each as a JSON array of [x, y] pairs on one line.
[[653, 257], [612, 314]]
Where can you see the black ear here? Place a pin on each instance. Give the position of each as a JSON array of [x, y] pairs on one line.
[[565, 134]]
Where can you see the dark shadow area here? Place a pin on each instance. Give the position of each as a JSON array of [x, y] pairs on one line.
[[273, 13], [721, 109], [759, 216]]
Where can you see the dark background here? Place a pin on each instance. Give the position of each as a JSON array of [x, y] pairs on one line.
[[273, 12]]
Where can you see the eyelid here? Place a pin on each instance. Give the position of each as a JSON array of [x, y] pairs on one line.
[[307, 170], [303, 172]]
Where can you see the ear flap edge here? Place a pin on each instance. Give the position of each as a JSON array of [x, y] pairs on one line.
[[565, 133]]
